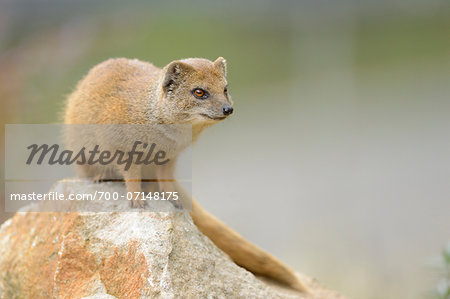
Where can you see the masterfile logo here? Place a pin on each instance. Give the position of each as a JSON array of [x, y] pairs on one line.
[[52, 155]]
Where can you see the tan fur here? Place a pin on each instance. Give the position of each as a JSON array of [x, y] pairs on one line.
[[123, 91]]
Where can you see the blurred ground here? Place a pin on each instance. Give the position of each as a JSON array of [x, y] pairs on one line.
[[336, 159]]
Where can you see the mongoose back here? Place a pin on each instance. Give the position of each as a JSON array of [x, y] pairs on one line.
[[190, 91]]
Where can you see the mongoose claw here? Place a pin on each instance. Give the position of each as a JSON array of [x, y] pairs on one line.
[[97, 179]]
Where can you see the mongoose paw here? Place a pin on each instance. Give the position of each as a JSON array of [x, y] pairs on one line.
[[138, 204]]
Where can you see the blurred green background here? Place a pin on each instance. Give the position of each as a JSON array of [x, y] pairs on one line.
[[336, 159]]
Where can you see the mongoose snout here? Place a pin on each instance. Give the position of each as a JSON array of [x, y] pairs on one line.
[[227, 110]]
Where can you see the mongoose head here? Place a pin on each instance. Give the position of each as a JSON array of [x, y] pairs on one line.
[[196, 91]]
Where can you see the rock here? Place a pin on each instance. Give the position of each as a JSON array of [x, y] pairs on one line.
[[128, 254]]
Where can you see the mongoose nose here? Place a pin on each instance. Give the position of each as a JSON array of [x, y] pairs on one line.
[[227, 110]]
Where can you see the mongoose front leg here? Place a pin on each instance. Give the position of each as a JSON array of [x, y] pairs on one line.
[[133, 181], [166, 181]]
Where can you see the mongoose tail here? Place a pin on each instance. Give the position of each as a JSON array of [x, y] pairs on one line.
[[242, 252]]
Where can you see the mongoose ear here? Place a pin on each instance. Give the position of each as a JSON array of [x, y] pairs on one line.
[[174, 71], [221, 65]]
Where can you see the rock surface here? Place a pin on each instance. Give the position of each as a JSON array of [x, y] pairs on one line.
[[136, 254]]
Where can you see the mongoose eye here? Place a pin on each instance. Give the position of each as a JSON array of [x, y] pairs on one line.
[[200, 93]]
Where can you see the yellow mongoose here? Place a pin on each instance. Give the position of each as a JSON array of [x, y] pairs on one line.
[[194, 91]]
